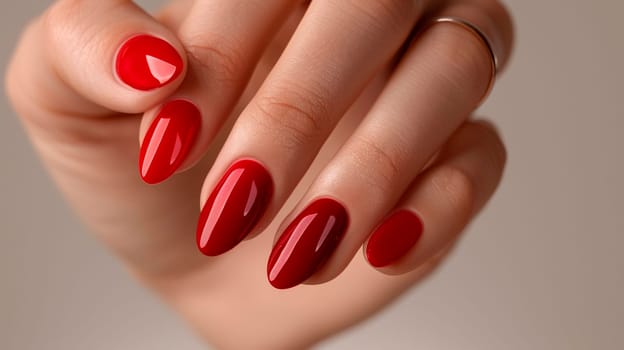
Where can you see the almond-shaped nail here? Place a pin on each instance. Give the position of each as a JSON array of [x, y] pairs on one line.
[[146, 62], [307, 243], [168, 140], [394, 238], [234, 207]]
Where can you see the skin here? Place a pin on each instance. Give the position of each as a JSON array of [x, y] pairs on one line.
[[396, 127]]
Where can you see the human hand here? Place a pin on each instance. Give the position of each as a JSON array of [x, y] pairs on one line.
[[399, 140]]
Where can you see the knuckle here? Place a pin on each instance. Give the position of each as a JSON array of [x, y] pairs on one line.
[[222, 57], [492, 144], [504, 20], [497, 9], [395, 9], [387, 12], [56, 19], [65, 13], [13, 87], [497, 150], [296, 115], [10, 86], [387, 163], [400, 11], [65, 9], [499, 154], [457, 188], [67, 26], [499, 14], [23, 89]]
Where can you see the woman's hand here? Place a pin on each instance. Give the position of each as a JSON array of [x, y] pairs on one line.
[[233, 101]]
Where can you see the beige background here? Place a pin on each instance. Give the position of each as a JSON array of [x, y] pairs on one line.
[[542, 268]]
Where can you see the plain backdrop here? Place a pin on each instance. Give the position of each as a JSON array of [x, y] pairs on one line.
[[541, 268]]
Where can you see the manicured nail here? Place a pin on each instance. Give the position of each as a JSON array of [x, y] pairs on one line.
[[307, 243], [393, 238], [145, 62], [168, 140], [234, 207]]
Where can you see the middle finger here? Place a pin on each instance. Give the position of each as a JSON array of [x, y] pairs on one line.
[[277, 136]]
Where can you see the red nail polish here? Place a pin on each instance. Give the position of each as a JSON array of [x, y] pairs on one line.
[[168, 140], [234, 207], [145, 62], [393, 238], [307, 243]]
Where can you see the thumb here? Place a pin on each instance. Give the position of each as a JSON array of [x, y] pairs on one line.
[[88, 57]]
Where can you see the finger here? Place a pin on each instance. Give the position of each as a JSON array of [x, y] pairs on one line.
[[173, 13], [439, 81], [89, 57], [224, 39], [440, 203], [278, 135]]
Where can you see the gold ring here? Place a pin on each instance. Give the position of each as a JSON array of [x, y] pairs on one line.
[[479, 34]]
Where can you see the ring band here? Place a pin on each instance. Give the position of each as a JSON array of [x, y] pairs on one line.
[[479, 34]]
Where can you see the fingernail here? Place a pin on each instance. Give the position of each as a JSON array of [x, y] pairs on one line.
[[307, 243], [393, 238], [168, 140], [145, 62], [234, 207]]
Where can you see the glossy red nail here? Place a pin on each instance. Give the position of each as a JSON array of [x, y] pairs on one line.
[[307, 243], [168, 140], [145, 62], [393, 238], [234, 207]]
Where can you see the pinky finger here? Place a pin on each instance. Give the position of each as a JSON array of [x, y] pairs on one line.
[[440, 202]]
